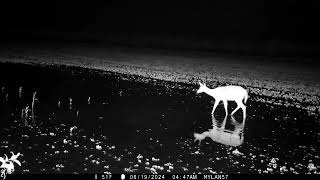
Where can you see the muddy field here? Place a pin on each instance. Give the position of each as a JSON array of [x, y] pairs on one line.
[[91, 121], [289, 81]]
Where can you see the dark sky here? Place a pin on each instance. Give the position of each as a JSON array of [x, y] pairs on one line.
[[286, 20]]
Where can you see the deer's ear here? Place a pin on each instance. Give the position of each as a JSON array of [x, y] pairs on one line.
[[204, 84], [200, 83]]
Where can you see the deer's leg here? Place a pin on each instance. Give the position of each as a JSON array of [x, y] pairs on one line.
[[243, 107], [244, 121], [223, 125], [225, 103], [214, 121], [215, 106], [238, 106], [233, 120]]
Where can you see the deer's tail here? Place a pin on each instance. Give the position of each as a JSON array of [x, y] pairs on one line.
[[245, 97]]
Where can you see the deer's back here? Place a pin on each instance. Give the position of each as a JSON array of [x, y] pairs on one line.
[[230, 92]]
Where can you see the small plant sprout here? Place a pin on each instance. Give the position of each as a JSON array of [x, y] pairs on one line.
[[120, 93], [59, 103], [71, 129], [32, 105], [70, 103], [14, 158], [20, 92], [7, 165], [24, 115], [2, 89], [98, 147], [7, 97], [89, 100], [77, 113]]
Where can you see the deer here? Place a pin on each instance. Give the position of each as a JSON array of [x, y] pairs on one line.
[[222, 135], [225, 94]]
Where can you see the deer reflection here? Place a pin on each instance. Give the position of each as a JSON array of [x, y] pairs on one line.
[[222, 135]]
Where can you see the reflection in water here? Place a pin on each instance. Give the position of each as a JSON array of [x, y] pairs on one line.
[[222, 135]]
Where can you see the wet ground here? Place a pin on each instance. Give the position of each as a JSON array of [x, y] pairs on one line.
[[88, 121]]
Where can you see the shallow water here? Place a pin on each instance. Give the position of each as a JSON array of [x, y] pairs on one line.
[[133, 126]]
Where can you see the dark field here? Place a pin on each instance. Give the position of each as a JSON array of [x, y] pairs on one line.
[[135, 124], [291, 82]]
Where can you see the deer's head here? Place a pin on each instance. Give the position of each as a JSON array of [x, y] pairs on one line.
[[202, 88]]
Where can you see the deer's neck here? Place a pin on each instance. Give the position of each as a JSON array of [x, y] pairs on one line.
[[210, 92]]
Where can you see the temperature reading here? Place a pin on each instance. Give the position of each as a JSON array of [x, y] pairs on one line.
[[102, 176]]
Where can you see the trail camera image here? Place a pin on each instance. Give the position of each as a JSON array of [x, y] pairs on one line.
[[109, 89]]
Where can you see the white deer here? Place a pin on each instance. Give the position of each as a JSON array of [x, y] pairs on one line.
[[225, 94]]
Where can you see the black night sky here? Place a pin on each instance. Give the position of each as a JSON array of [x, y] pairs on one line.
[[283, 23]]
